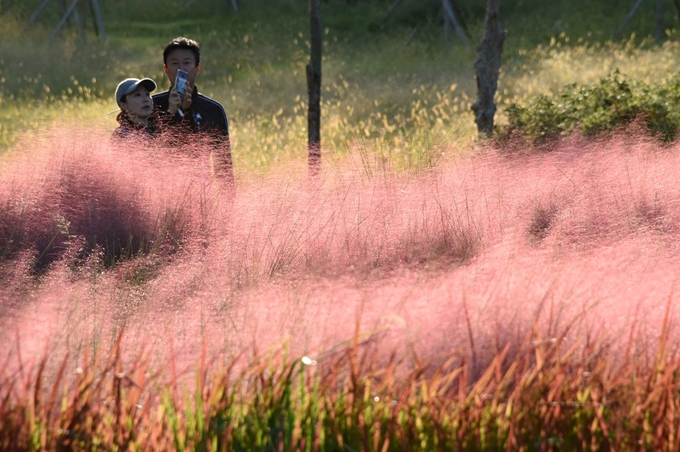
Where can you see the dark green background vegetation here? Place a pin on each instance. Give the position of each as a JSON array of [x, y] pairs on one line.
[[268, 28]]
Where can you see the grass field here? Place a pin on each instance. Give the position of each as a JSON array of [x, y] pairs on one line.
[[396, 98], [427, 291]]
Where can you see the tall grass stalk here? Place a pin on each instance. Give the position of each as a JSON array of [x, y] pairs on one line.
[[502, 300], [544, 395]]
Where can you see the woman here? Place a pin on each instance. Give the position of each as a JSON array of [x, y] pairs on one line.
[[137, 117]]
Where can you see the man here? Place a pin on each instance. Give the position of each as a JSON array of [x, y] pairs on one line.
[[195, 117]]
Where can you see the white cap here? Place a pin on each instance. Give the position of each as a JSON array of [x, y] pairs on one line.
[[130, 84]]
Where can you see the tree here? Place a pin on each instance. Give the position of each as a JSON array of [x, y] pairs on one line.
[[660, 28], [71, 11], [314, 88], [487, 68]]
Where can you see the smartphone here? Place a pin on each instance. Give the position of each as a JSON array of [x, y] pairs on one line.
[[181, 82]]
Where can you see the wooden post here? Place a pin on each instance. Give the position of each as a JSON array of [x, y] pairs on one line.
[[234, 5], [487, 68], [314, 89]]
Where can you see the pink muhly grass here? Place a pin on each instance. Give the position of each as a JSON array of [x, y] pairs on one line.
[[470, 256], [121, 198]]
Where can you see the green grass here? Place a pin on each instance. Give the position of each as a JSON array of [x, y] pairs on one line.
[[541, 397], [406, 106], [376, 91], [411, 102]]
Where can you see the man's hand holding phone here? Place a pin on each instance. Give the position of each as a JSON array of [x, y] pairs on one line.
[[180, 94], [175, 101]]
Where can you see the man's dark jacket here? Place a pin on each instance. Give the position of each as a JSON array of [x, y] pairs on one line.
[[205, 118]]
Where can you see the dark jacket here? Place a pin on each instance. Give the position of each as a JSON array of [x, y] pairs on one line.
[[205, 119], [131, 129]]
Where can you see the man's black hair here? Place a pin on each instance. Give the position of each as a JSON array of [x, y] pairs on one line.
[[182, 43]]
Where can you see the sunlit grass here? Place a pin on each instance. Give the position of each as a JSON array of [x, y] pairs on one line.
[[380, 95], [423, 301], [544, 395], [547, 68], [401, 112]]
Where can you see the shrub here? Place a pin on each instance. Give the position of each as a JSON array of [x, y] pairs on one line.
[[612, 103]]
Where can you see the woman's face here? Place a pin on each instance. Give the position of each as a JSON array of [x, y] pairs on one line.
[[138, 103]]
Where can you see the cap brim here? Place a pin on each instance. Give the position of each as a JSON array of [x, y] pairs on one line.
[[129, 85], [148, 84]]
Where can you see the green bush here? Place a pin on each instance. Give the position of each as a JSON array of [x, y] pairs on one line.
[[612, 103]]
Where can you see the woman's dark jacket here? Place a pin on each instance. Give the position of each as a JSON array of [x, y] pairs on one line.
[[129, 128]]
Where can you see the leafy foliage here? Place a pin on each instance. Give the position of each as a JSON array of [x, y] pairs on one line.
[[612, 103]]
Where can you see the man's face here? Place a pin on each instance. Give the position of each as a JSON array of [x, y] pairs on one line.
[[181, 59], [138, 103]]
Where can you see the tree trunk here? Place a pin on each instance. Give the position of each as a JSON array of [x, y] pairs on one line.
[[447, 25], [487, 68], [37, 12], [98, 20], [80, 22], [393, 6], [660, 28], [629, 16], [64, 18], [314, 88]]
